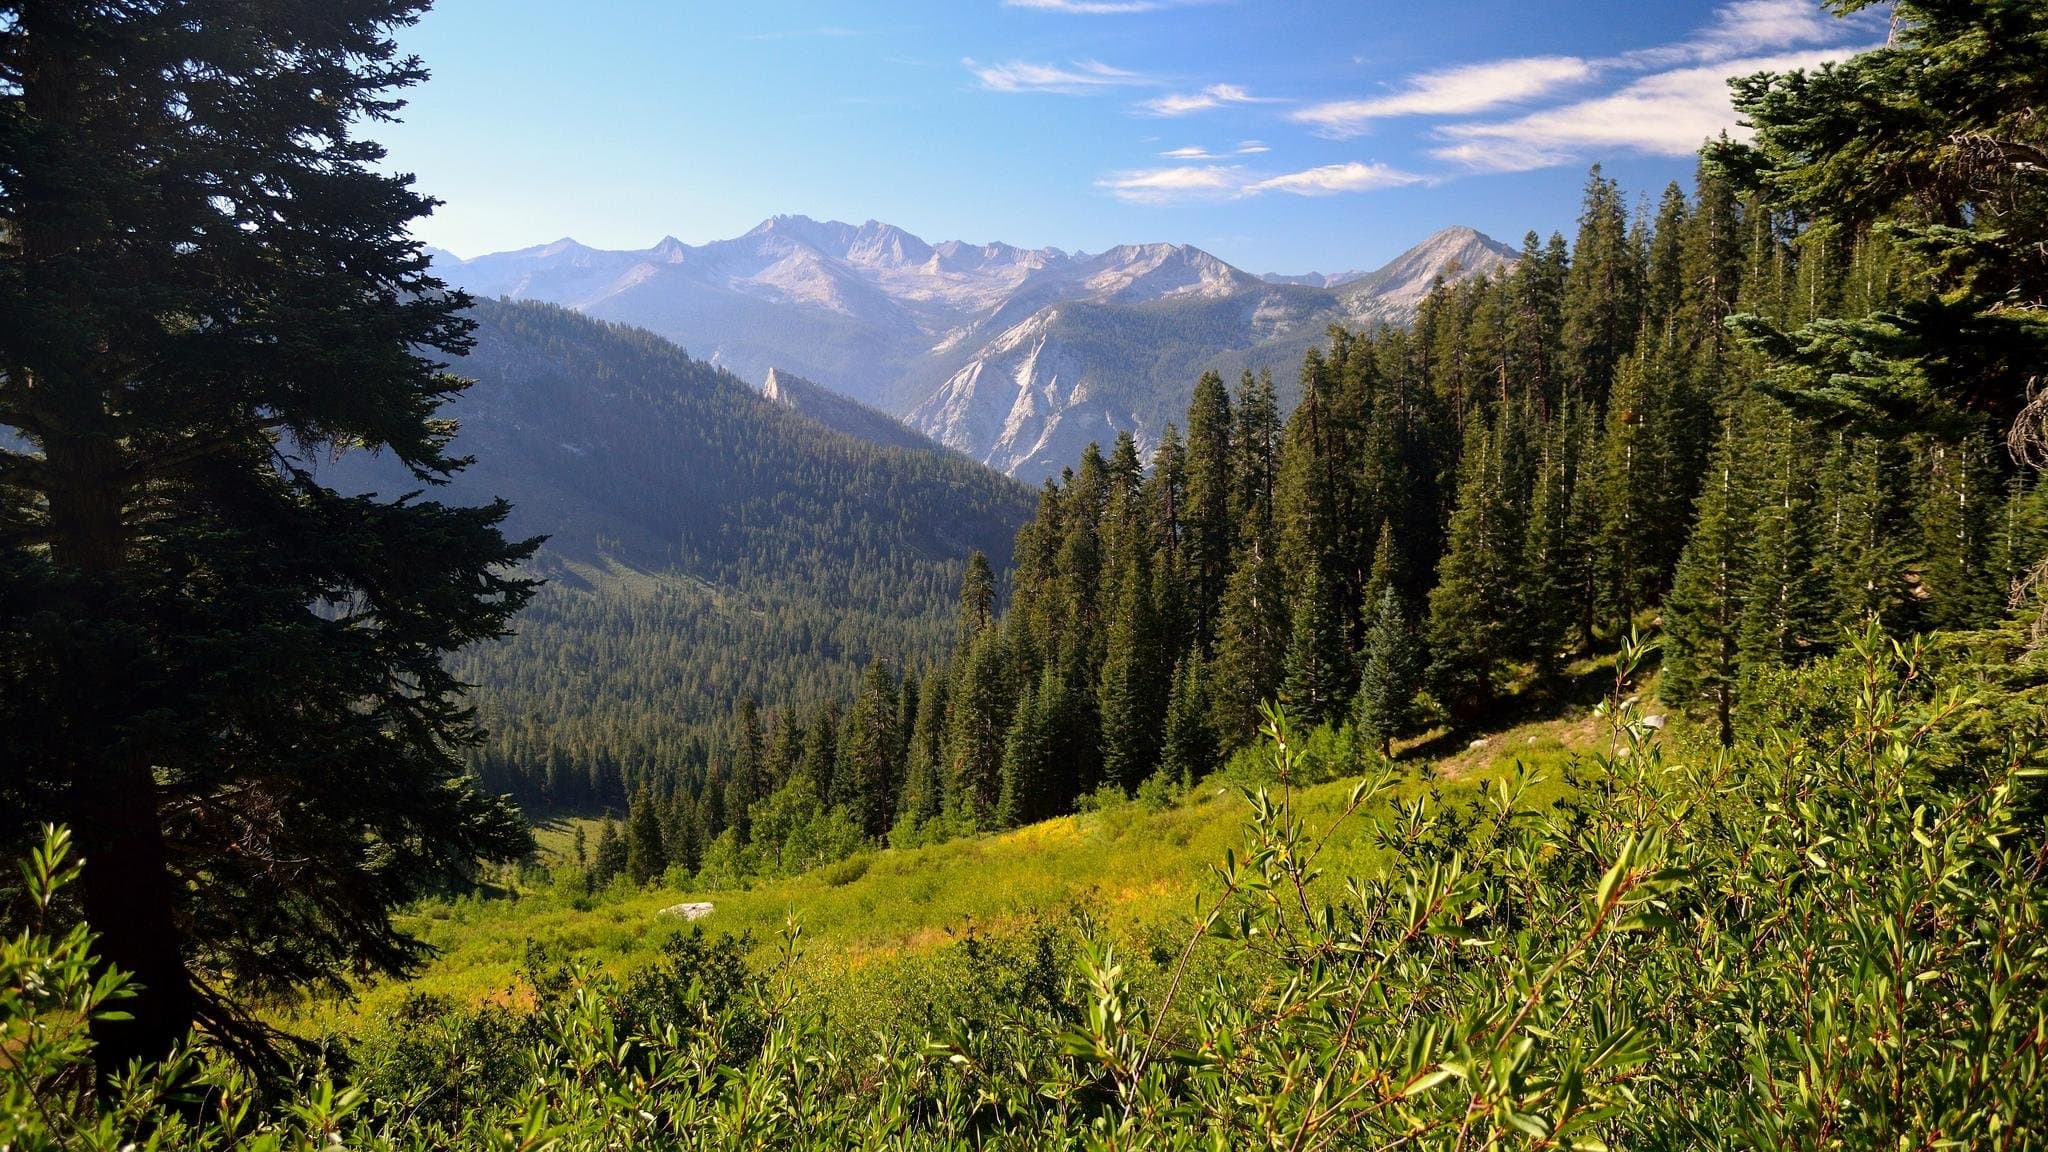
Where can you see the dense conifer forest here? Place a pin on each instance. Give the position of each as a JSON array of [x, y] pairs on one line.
[[1451, 516]]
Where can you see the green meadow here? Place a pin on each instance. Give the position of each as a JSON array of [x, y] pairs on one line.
[[876, 924]]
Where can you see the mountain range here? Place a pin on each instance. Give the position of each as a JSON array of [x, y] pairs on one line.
[[1016, 357]]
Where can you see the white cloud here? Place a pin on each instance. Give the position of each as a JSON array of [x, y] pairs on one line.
[[1180, 183], [1070, 79], [1746, 27], [1452, 91], [1251, 147], [1214, 96], [1189, 153], [1495, 155], [1665, 114], [1330, 179], [1196, 183]]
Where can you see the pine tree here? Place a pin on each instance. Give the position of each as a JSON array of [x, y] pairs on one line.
[[1132, 693], [1635, 473], [1556, 551], [1251, 646], [872, 752], [1703, 617], [1786, 608], [1189, 751], [1025, 794], [1602, 292], [1210, 528], [646, 857], [1879, 138], [982, 700], [746, 782], [819, 767], [923, 773], [1318, 666], [1166, 508], [977, 596], [209, 283], [610, 859], [1475, 606], [1390, 675]]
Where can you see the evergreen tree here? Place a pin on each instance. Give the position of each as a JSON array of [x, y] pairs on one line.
[[208, 285], [873, 752], [981, 705], [1786, 608], [1210, 528], [1390, 675], [646, 857], [1251, 647], [1318, 666], [1189, 752], [1635, 472], [977, 596], [1132, 693], [1026, 791], [1937, 136], [923, 772], [1602, 292], [1703, 618], [818, 769], [610, 859], [1476, 604], [1957, 520]]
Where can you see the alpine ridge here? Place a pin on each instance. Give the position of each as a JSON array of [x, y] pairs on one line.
[[1015, 357]]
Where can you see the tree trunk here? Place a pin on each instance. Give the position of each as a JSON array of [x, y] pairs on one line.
[[128, 902], [113, 809]]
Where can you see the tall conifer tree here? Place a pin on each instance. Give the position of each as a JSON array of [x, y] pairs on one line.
[[207, 283]]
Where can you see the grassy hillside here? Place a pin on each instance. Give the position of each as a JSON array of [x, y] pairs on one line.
[[879, 922]]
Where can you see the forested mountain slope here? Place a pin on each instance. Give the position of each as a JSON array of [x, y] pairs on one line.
[[841, 413], [705, 544]]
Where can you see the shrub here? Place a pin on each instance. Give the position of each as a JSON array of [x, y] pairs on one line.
[[1830, 938]]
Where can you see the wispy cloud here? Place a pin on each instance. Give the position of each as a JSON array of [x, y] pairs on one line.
[[1214, 96], [1190, 153], [1251, 147], [1747, 27], [1069, 79], [1665, 114], [1451, 92], [1178, 184], [1662, 100], [1197, 183], [1330, 179]]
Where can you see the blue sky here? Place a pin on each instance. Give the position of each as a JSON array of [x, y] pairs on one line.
[[1282, 135]]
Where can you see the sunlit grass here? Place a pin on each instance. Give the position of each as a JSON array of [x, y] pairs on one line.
[[869, 920]]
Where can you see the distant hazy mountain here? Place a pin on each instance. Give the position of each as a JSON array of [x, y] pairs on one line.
[[1016, 357], [842, 413]]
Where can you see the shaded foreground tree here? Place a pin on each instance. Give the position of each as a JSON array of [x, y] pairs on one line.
[[226, 677]]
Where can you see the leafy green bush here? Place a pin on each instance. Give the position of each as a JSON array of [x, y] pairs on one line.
[[1828, 938]]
